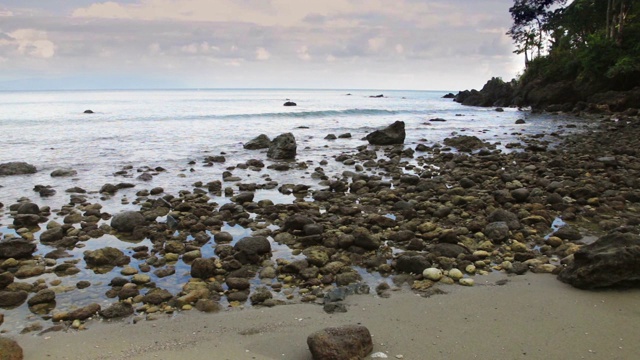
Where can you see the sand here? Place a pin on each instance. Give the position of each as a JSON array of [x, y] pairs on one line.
[[530, 317]]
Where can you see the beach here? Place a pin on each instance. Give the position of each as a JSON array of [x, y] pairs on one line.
[[119, 245], [530, 317]]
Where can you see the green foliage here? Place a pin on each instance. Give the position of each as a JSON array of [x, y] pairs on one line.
[[586, 49]]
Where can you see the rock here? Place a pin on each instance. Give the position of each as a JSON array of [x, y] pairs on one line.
[[208, 305], [63, 173], [433, 274], [290, 103], [296, 222], [283, 147], [83, 313], [331, 308], [28, 208], [203, 268], [330, 137], [10, 350], [568, 232], [16, 248], [16, 168], [504, 215], [88, 111], [52, 235], [612, 260], [449, 250], [6, 278], [157, 296], [243, 197], [409, 263], [464, 143], [262, 141], [30, 270], [223, 237], [127, 221], [497, 231], [254, 245], [106, 256], [391, 135], [337, 343], [10, 299], [117, 310], [466, 282], [260, 295], [456, 274]]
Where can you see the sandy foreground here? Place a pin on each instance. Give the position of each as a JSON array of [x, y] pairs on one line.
[[531, 317]]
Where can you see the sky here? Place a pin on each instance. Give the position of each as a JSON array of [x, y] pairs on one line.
[[341, 44]]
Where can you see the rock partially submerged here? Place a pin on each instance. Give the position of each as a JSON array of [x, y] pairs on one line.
[[10, 350], [16, 168], [283, 147], [344, 342], [391, 135], [261, 141], [612, 260]]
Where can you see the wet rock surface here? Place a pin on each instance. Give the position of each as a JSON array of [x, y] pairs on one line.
[[345, 342]]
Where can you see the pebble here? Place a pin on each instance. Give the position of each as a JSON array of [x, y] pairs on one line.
[[466, 281], [432, 274], [455, 274]]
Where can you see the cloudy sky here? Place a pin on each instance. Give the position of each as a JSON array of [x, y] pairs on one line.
[[373, 44]]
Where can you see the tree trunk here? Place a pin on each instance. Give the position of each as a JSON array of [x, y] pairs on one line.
[[608, 27]]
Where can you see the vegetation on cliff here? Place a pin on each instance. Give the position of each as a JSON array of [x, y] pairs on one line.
[[576, 52]]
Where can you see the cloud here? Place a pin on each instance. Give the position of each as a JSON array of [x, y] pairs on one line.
[[262, 54], [303, 53], [29, 42]]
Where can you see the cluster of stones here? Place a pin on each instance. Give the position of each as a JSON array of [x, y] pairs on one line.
[[438, 217]]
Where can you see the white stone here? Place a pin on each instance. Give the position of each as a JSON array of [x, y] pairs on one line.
[[470, 269], [433, 274], [455, 274], [379, 355]]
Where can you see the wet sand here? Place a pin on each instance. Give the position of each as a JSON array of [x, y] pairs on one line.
[[531, 317]]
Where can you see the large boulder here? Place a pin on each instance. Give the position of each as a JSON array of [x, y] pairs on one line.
[[127, 221], [16, 168], [251, 249], [10, 299], [464, 143], [612, 260], [203, 268], [348, 342], [16, 248], [262, 141], [391, 135], [283, 147], [10, 350]]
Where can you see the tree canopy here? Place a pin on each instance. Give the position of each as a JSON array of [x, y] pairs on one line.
[[595, 43]]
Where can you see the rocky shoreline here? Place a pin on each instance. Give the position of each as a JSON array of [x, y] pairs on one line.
[[418, 216]]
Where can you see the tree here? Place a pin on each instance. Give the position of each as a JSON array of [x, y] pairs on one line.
[[529, 25]]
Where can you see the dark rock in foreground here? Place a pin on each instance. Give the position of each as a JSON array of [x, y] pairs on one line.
[[16, 168], [283, 147], [10, 350], [391, 135], [340, 343], [612, 260]]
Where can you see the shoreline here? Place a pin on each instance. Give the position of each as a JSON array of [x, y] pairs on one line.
[[532, 316]]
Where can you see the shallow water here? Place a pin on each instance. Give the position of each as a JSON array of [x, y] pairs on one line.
[[170, 128]]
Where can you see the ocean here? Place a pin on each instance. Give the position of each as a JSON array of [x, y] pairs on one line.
[[178, 129]]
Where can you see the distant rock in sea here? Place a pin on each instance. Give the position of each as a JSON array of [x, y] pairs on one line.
[[377, 96], [290, 103], [89, 111]]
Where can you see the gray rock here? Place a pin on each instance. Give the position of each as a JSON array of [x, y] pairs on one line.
[[63, 173], [251, 249], [391, 135], [412, 263], [16, 248], [42, 297], [203, 268], [612, 260], [568, 232], [504, 215], [52, 235], [260, 295], [283, 147], [10, 299], [497, 231], [109, 256], [117, 310], [340, 343], [28, 208], [16, 168], [262, 141], [127, 221], [464, 143]]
